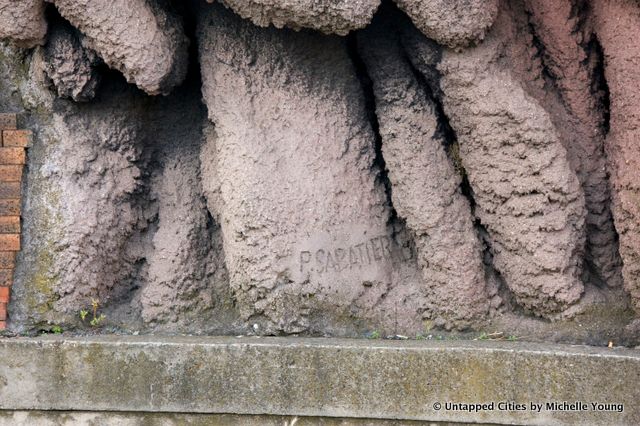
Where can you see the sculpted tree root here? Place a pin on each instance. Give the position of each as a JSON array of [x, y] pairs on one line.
[[451, 164], [425, 186], [617, 26], [330, 17], [70, 67], [292, 180], [452, 23], [85, 193], [570, 57], [525, 191], [23, 21], [137, 37]]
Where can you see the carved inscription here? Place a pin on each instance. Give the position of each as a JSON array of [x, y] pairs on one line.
[[349, 257]]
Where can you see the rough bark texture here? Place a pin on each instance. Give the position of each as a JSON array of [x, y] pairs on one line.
[[328, 16], [23, 22], [570, 58], [453, 23], [186, 279], [83, 207], [425, 186], [291, 125], [69, 65], [617, 25], [114, 212], [527, 195], [386, 182], [139, 38]]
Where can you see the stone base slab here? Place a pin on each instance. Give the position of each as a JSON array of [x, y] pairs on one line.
[[329, 378]]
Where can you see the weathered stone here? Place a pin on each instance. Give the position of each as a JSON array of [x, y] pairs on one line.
[[81, 215], [617, 24], [453, 23], [104, 222], [328, 16], [137, 37], [321, 377], [527, 195], [289, 173], [74, 418], [303, 207], [23, 22], [70, 66], [562, 80], [425, 186], [186, 286]]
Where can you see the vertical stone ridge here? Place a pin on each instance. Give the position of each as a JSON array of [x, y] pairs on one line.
[[526, 194], [561, 32], [617, 26], [426, 187]]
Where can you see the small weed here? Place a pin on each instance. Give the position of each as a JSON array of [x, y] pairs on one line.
[[512, 338], [56, 329], [375, 334], [95, 303], [96, 319]]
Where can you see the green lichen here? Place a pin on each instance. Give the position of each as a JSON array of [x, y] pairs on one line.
[[44, 278], [454, 155], [16, 64]]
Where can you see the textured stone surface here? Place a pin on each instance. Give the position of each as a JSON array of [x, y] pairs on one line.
[[71, 418], [289, 174], [328, 16], [318, 377], [139, 38], [186, 285], [425, 186], [618, 28], [340, 185], [562, 75], [81, 210], [527, 195], [453, 23], [69, 65], [23, 22], [115, 213]]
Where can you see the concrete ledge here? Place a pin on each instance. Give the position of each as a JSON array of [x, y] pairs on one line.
[[109, 418], [322, 377]]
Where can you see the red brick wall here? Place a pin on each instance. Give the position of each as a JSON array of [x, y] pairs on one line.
[[13, 144]]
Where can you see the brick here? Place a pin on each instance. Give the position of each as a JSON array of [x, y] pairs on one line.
[[16, 138], [9, 242], [10, 190], [6, 279], [10, 173], [3, 325], [9, 208], [7, 259], [8, 121], [9, 224], [4, 294], [12, 156]]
